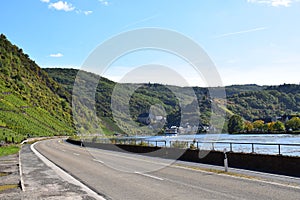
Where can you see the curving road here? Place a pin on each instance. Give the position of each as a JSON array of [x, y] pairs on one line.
[[125, 176]]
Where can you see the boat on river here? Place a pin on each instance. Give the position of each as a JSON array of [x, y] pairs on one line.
[[173, 131]]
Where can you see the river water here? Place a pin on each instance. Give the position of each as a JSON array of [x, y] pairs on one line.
[[268, 143]]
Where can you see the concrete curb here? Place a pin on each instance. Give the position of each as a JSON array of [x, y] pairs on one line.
[[65, 175]]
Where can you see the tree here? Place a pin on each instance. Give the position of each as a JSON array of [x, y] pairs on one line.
[[278, 126], [266, 127], [293, 124], [235, 124], [258, 125], [269, 126], [248, 126]]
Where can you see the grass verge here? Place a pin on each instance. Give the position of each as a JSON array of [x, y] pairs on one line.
[[7, 187], [8, 150]]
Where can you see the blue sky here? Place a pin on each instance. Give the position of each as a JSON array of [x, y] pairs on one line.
[[250, 41]]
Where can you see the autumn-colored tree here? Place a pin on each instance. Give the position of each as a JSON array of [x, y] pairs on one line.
[[248, 126], [258, 125], [270, 126]]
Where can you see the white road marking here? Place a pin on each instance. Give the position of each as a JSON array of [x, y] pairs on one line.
[[76, 154], [99, 161], [150, 176], [63, 174]]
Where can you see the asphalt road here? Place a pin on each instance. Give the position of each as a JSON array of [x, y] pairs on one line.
[[125, 176]]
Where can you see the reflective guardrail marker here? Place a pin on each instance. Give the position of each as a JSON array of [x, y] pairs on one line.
[[225, 161]]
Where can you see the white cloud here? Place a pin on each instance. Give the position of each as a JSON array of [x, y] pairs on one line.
[[274, 3], [104, 2], [56, 55], [88, 12], [85, 12], [60, 5], [65, 6]]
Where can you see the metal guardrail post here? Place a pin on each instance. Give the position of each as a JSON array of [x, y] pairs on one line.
[[252, 147], [197, 145], [213, 146], [165, 143], [279, 150], [231, 147], [155, 143]]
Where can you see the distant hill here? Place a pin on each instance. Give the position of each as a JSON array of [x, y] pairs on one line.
[[141, 101], [237, 89], [250, 101], [286, 88], [31, 103], [272, 101]]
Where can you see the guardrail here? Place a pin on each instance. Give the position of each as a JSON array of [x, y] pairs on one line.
[[231, 145], [249, 147]]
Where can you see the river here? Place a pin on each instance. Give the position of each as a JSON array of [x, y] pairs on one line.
[[271, 139]]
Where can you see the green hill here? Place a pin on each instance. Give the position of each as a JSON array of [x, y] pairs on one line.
[[237, 89], [249, 101], [272, 101], [31, 103], [141, 101]]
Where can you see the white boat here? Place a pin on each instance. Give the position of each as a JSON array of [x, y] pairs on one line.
[[173, 131]]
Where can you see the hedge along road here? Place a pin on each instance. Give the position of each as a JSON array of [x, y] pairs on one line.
[[170, 182]]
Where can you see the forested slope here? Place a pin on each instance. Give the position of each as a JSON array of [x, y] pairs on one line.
[[31, 103]]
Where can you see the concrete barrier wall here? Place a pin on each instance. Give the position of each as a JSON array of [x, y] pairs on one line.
[[276, 164]]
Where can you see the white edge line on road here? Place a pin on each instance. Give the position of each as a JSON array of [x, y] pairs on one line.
[[76, 154], [21, 173], [66, 176], [99, 161], [150, 176]]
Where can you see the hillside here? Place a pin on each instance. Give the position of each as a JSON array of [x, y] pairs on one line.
[[238, 89], [31, 103], [273, 101], [249, 101], [144, 97]]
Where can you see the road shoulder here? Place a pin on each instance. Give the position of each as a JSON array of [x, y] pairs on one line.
[[42, 182]]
